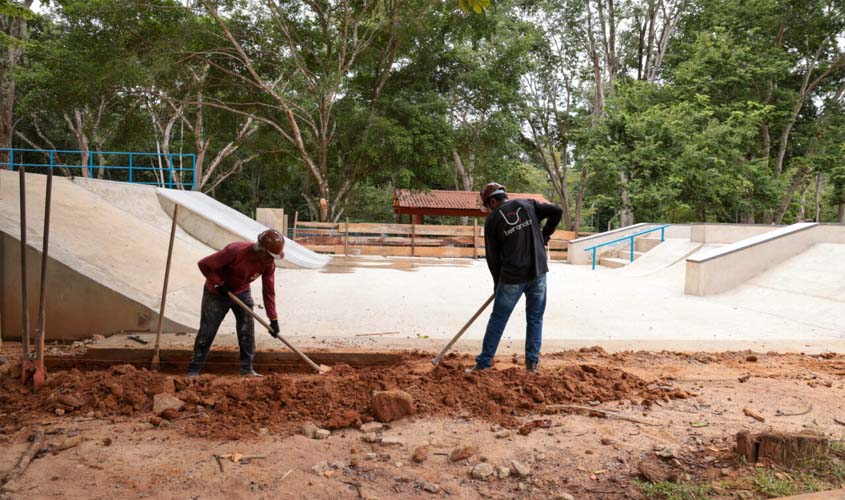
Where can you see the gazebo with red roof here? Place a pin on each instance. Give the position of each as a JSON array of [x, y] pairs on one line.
[[437, 202]]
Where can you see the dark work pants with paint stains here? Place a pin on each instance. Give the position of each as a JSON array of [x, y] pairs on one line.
[[214, 309]]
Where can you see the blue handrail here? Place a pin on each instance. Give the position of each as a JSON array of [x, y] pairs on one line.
[[630, 239], [18, 157]]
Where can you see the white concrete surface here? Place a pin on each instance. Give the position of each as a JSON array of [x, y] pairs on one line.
[[217, 225], [118, 260], [797, 305], [584, 308]]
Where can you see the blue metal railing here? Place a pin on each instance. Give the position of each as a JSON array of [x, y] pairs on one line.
[[629, 239], [140, 168]]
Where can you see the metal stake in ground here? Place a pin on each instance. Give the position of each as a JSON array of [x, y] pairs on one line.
[[469, 323], [40, 375], [156, 361], [27, 362], [319, 368]]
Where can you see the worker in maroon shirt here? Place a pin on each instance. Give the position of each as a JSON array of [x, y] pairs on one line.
[[232, 269]]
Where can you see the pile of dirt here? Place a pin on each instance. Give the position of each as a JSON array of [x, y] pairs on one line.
[[223, 407]]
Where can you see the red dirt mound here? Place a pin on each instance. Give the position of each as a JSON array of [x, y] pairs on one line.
[[228, 407]]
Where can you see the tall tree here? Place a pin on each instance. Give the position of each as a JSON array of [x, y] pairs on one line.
[[14, 15]]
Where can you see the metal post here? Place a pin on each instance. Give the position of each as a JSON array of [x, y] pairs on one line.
[[346, 239], [194, 172], [662, 233], [130, 168], [170, 169], [12, 159], [413, 235], [90, 163], [632, 248], [24, 287], [474, 236], [594, 259], [40, 375], [295, 222]]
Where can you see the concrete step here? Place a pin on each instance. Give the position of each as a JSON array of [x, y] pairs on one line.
[[646, 244], [613, 262], [623, 253]]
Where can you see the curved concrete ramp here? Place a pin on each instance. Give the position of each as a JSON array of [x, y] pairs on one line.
[[217, 225], [141, 201], [666, 254], [84, 295]]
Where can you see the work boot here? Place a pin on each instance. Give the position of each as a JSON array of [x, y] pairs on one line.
[[531, 366], [476, 368], [250, 373], [193, 374]]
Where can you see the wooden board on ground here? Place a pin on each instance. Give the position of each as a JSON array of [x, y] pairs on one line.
[[219, 361]]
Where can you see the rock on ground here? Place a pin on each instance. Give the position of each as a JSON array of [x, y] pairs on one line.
[[392, 405], [312, 431], [430, 487], [483, 471], [461, 453], [502, 472], [166, 401], [420, 454], [521, 469], [372, 427]]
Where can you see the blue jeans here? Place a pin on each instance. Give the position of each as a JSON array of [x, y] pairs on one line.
[[507, 295]]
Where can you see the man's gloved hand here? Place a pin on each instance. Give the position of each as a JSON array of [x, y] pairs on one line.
[[222, 289], [274, 328]]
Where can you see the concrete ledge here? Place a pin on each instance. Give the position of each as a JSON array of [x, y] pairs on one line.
[[721, 269], [727, 233]]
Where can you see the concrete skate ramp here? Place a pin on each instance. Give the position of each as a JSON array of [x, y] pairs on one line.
[[668, 253], [141, 201], [809, 287], [217, 225], [84, 295]]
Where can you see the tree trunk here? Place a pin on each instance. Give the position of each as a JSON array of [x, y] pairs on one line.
[[626, 216], [579, 201], [14, 28]]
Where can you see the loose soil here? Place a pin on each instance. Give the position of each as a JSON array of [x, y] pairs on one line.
[[686, 409], [225, 408]]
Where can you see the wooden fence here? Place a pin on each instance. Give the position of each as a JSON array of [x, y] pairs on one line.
[[405, 240]]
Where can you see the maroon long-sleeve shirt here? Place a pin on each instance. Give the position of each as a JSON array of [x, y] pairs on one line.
[[236, 267]]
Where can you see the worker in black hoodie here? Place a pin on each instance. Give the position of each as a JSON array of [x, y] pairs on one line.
[[516, 256]]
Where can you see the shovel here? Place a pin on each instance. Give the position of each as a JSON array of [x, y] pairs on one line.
[[321, 369], [469, 323]]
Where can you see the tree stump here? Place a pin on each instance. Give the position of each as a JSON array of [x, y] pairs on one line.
[[783, 448]]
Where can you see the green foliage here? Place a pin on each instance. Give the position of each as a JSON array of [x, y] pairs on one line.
[[666, 490], [509, 95]]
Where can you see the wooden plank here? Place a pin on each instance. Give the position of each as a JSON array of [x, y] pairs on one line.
[[405, 229], [319, 225], [346, 240], [474, 237], [564, 235], [175, 360], [558, 245]]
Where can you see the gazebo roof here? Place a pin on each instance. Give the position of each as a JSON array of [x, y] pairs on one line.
[[446, 203]]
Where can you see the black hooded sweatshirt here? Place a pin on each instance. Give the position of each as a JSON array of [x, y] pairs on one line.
[[515, 244]]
